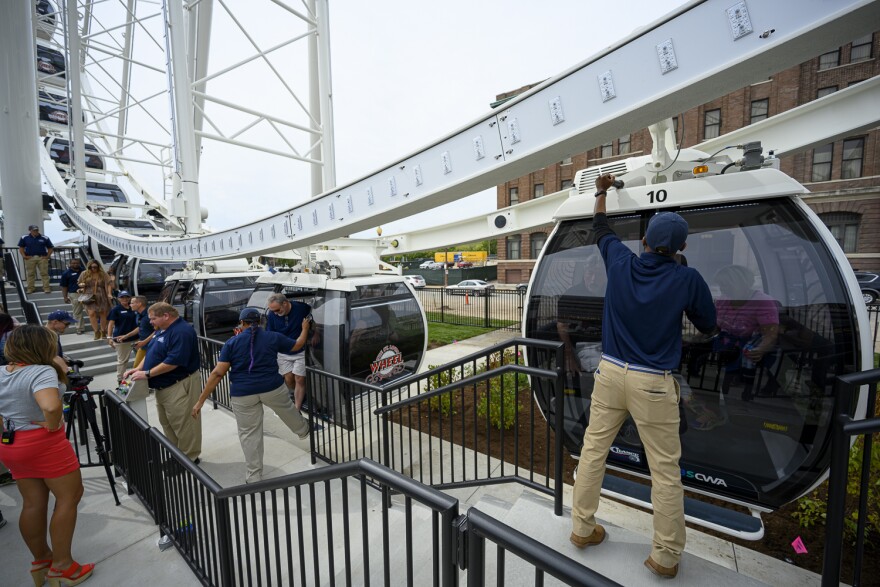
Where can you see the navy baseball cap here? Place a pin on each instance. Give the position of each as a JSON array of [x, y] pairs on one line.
[[249, 315], [62, 316], [33, 227], [123, 294], [667, 233]]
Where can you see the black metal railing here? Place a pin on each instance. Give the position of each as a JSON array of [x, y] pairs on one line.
[[479, 528], [31, 312], [842, 431], [58, 262], [471, 422], [501, 309], [324, 526], [209, 350]]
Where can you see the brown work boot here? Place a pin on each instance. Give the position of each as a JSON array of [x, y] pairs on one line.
[[658, 569], [593, 539]]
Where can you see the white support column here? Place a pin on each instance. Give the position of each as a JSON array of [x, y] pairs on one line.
[[199, 43], [185, 159], [325, 88], [317, 176], [126, 77], [19, 130], [74, 103]]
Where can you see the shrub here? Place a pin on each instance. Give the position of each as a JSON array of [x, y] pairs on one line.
[[443, 403], [499, 401]]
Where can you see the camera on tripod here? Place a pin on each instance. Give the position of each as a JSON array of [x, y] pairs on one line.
[[77, 382]]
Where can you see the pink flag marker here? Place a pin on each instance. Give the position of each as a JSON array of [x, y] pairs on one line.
[[799, 546]]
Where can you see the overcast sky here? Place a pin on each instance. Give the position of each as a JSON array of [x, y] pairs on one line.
[[404, 73]]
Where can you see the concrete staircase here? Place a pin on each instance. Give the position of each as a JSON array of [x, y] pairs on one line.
[[97, 355]]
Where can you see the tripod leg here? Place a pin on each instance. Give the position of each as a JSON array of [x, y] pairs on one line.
[[91, 421]]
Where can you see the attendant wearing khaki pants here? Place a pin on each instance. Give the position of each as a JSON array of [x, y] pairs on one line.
[[122, 331], [172, 369], [256, 383], [36, 249]]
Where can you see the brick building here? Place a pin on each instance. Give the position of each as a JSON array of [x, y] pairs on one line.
[[843, 177]]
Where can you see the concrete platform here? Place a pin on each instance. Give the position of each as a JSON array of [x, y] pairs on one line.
[[122, 540]]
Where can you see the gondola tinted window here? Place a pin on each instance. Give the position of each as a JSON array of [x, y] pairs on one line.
[[754, 430], [50, 62], [60, 152]]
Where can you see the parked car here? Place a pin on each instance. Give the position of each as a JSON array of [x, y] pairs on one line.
[[417, 281], [870, 286], [433, 265], [474, 287], [464, 264], [426, 264]]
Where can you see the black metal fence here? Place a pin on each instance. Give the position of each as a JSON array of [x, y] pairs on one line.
[[209, 351], [471, 422], [324, 526], [843, 429], [501, 309]]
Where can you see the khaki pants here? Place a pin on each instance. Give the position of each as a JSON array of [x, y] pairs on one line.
[[248, 410], [139, 356], [123, 354], [174, 405], [31, 266], [78, 312], [652, 400]]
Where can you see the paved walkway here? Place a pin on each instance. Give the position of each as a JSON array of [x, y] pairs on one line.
[[122, 540]]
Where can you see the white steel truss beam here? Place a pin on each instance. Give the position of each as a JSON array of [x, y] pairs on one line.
[[715, 48]]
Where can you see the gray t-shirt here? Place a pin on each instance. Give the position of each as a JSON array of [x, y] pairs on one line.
[[17, 403]]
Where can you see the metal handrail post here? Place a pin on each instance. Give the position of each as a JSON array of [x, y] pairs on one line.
[[836, 486], [476, 558], [867, 447], [224, 532], [559, 394], [448, 534]]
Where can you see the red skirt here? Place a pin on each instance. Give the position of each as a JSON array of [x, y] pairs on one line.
[[39, 454]]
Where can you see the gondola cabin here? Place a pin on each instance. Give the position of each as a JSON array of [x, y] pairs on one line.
[[752, 434]]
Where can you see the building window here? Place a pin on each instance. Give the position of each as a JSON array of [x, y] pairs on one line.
[[844, 226], [566, 161], [514, 245], [675, 127], [853, 152], [862, 48], [760, 109], [536, 243], [514, 196], [829, 60], [712, 123], [566, 184], [539, 191], [822, 162], [623, 145], [825, 91], [605, 150]]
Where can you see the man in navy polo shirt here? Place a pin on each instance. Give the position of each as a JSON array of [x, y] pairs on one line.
[[122, 331], [36, 249], [172, 369], [641, 339], [70, 282], [57, 322], [286, 317]]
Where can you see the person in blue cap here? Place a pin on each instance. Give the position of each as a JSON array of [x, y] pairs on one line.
[[251, 358], [36, 249], [122, 331], [645, 298], [57, 322]]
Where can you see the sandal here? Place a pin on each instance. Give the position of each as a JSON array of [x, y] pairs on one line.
[[72, 575], [39, 570]]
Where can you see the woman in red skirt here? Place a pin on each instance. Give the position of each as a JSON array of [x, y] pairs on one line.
[[41, 460]]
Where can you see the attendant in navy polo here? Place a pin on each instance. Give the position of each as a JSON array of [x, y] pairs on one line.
[[641, 339], [145, 329], [251, 355], [36, 249], [285, 317], [57, 322], [122, 331], [70, 282], [172, 369]]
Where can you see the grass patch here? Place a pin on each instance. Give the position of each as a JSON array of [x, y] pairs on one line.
[[494, 323], [441, 334]]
